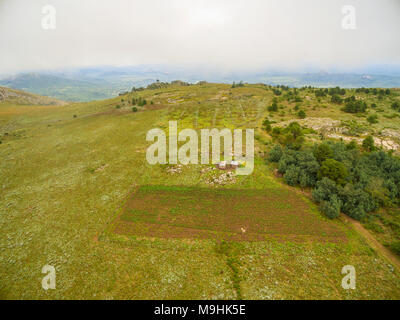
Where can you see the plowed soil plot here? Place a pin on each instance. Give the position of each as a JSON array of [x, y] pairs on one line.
[[239, 215]]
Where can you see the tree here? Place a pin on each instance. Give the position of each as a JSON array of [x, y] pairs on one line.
[[369, 144], [267, 125], [336, 99], [301, 114], [332, 207], [291, 176], [273, 107], [396, 105], [276, 153], [352, 145], [293, 137], [372, 119], [356, 202], [355, 106], [395, 246], [323, 152], [324, 189], [334, 170]]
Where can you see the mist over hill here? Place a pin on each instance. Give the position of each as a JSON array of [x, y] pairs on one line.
[[96, 83]]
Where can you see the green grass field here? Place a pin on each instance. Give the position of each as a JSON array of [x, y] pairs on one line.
[[76, 192]]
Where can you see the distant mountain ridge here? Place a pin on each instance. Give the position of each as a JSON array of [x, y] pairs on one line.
[[97, 83]]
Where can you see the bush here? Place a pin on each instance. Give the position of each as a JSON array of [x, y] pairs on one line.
[[273, 107], [285, 161], [352, 145], [395, 246], [356, 202], [396, 105], [324, 189], [323, 152], [134, 109], [291, 176], [368, 144], [333, 170], [373, 119], [355, 106], [336, 99], [301, 114], [267, 125], [276, 153], [332, 207]]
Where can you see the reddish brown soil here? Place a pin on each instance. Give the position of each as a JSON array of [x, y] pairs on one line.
[[239, 215]]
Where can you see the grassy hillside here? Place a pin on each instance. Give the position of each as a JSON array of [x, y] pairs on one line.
[[12, 96], [77, 193]]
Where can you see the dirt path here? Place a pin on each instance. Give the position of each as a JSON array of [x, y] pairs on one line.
[[383, 251], [371, 240]]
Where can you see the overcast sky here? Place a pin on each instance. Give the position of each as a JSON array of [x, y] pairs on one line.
[[231, 35]]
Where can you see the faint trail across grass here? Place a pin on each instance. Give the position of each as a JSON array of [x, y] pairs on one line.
[[383, 251]]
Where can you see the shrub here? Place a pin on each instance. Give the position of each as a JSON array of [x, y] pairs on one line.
[[276, 153], [285, 161], [291, 176], [334, 170], [352, 145], [267, 125], [396, 105], [336, 99], [373, 119], [332, 207], [395, 246], [355, 106], [324, 189], [273, 107], [368, 144], [356, 202], [323, 152], [134, 109], [301, 114]]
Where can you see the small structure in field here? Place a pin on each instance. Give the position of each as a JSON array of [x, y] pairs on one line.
[[234, 164], [222, 165]]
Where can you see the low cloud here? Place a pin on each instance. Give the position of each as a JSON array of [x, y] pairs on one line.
[[220, 35]]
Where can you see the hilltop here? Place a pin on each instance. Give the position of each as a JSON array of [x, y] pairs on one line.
[[98, 83], [13, 96], [78, 194]]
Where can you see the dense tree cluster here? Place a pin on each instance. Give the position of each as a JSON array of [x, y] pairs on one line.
[[336, 90], [277, 92], [321, 92], [274, 106], [336, 99], [291, 136], [354, 106], [374, 91], [237, 85], [343, 177], [396, 106], [139, 102]]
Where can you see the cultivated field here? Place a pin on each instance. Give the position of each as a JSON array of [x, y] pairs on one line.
[[223, 214]]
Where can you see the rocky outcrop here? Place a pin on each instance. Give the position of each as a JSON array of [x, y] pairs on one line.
[[388, 139]]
